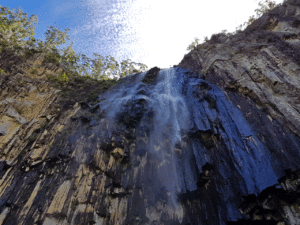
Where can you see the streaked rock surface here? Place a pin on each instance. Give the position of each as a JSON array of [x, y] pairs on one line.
[[211, 141]]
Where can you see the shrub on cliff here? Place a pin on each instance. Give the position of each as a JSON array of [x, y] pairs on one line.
[[15, 27], [193, 45], [264, 6]]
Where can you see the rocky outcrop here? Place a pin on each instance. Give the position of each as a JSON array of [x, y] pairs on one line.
[[261, 63], [274, 204], [151, 76]]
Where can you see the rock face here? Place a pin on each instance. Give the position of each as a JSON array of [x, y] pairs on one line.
[[214, 140], [261, 63]]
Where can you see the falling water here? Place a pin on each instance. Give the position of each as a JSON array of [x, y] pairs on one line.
[[170, 122], [174, 160], [171, 119]]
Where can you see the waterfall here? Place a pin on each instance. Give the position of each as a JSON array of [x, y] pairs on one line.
[[170, 122], [178, 122], [171, 119]]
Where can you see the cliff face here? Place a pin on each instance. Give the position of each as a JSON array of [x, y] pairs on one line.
[[261, 63], [213, 140]]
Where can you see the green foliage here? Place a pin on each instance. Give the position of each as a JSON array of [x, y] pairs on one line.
[[63, 77], [74, 204], [1, 71], [17, 36], [33, 71], [15, 26], [20, 111], [264, 7], [129, 67], [193, 45], [102, 68], [31, 52], [51, 77], [84, 66], [68, 57], [53, 55], [93, 95], [81, 78], [55, 37]]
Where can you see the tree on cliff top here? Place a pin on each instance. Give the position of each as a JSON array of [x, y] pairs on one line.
[[17, 37], [16, 27], [193, 45], [264, 6]]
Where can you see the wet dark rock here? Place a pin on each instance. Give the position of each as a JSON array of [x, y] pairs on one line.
[[74, 118], [3, 168], [271, 204], [249, 202], [35, 134], [93, 122], [151, 76], [189, 196], [291, 180], [207, 138], [191, 74], [204, 86], [201, 92], [125, 159], [251, 222], [102, 212], [142, 90], [84, 105], [40, 222], [107, 145], [211, 101], [94, 109], [118, 141], [132, 113], [85, 119], [206, 175]]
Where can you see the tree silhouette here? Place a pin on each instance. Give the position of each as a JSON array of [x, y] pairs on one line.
[[17, 36]]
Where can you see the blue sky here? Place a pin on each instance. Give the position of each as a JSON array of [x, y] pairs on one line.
[[155, 32]]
